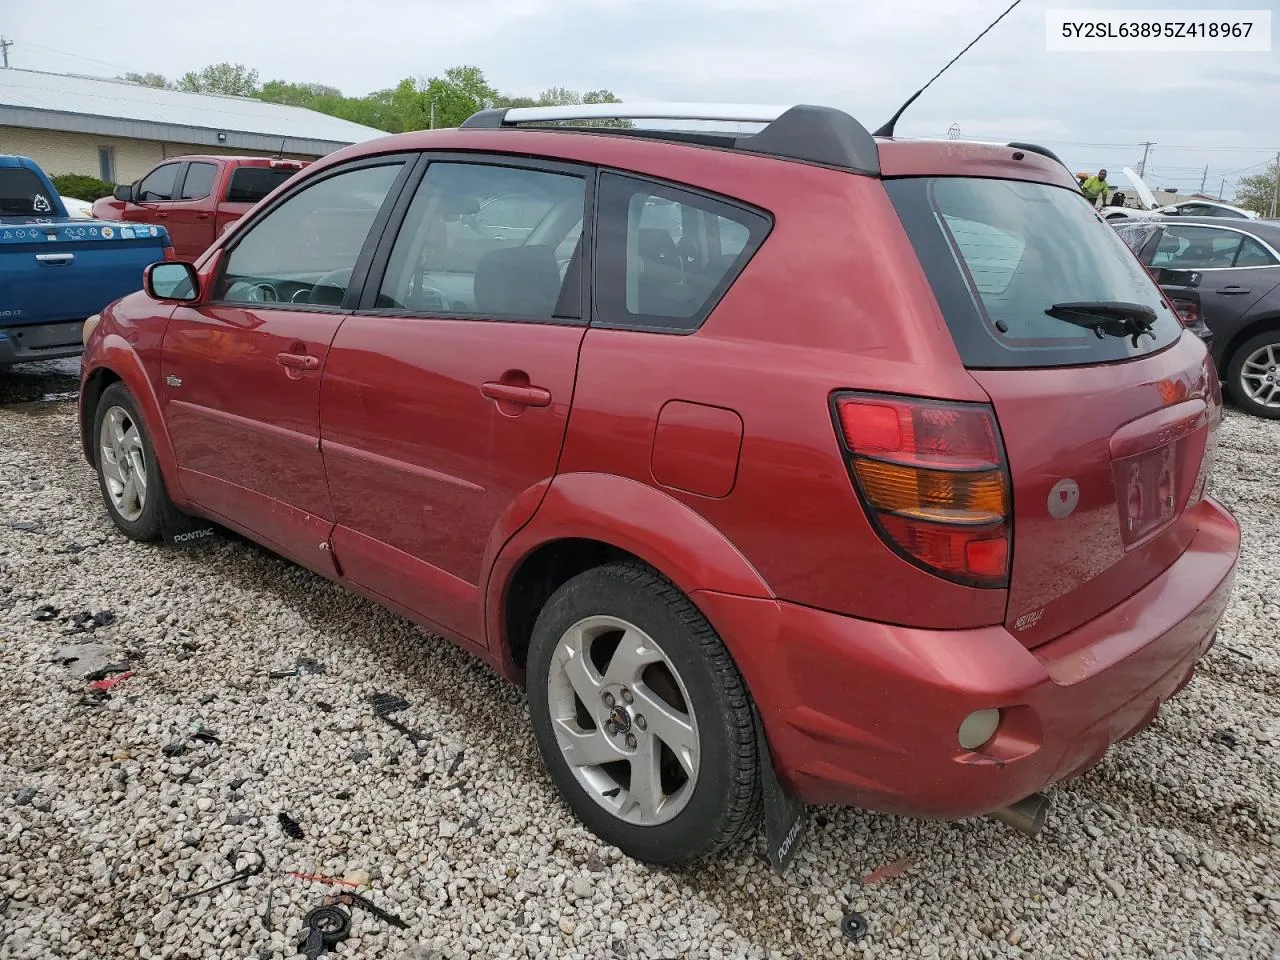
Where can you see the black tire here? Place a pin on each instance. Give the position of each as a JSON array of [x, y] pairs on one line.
[[145, 527], [1235, 367], [725, 799]]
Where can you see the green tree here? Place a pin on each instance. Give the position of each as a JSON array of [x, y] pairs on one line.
[[297, 94], [458, 94], [234, 79], [148, 80], [1257, 191]]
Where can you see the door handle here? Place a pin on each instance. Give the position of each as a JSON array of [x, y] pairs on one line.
[[162, 216], [1233, 291], [515, 393], [55, 259], [298, 361], [202, 216]]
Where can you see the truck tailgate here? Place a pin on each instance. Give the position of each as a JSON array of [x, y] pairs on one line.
[[60, 272]]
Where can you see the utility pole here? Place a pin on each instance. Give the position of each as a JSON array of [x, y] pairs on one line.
[[4, 50], [1222, 188], [1275, 194], [954, 132], [1146, 146], [433, 114], [1204, 177]]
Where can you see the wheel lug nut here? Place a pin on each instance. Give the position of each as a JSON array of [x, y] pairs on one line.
[[611, 727], [626, 696], [640, 721], [607, 698], [631, 741]]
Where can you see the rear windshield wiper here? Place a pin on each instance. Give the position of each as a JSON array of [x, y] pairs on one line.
[[1112, 318]]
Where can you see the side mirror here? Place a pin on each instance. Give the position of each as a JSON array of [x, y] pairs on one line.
[[171, 280], [123, 192]]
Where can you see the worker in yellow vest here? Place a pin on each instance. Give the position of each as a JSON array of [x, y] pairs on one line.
[[1095, 187]]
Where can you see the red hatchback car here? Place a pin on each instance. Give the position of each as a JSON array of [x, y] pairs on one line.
[[888, 456]]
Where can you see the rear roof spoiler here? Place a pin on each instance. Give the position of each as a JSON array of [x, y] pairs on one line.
[[812, 134]]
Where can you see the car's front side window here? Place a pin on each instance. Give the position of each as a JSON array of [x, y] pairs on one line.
[[305, 249], [487, 240], [157, 186]]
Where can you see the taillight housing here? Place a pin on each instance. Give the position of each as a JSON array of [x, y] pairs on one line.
[[933, 479], [1187, 310]]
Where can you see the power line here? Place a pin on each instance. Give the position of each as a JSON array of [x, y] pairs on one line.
[[72, 56]]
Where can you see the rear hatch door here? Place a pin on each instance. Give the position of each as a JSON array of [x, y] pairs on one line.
[[1105, 403]]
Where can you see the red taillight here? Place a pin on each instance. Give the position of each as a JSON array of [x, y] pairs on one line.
[[932, 477], [1187, 310], [170, 253]]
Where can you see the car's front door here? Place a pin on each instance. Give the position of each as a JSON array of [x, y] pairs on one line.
[[242, 369], [190, 219], [446, 396], [153, 195]]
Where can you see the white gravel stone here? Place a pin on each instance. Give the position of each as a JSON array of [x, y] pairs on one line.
[[1181, 861]]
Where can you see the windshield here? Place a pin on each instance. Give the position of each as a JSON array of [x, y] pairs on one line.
[[23, 195], [1000, 254]]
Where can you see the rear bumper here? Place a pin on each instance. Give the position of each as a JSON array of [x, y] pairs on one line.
[[40, 341], [866, 714]]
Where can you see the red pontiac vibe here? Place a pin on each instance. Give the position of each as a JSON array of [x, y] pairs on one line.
[[892, 445]]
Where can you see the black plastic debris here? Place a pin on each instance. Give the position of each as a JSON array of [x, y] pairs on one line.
[[24, 795], [359, 755], [853, 926], [322, 929], [198, 733], [45, 612], [257, 863], [342, 795], [304, 666], [237, 784], [290, 826], [385, 703], [364, 903], [1225, 737], [90, 620], [324, 707], [457, 762]]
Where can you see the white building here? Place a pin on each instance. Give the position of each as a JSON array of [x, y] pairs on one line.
[[117, 131]]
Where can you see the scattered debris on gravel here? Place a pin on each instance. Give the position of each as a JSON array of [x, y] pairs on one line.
[[125, 833]]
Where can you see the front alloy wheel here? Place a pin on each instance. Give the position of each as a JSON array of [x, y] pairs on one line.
[[123, 463]]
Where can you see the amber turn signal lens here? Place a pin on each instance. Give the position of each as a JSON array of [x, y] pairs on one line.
[[939, 495]]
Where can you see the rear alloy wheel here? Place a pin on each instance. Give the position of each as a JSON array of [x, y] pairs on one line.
[[127, 472], [1254, 375], [642, 717]]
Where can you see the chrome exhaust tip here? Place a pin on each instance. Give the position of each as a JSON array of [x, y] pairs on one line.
[[1027, 815]]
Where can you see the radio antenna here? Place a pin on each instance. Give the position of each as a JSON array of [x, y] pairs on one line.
[[887, 129]]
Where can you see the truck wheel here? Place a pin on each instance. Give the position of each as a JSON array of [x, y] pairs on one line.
[[1253, 375], [641, 716], [128, 475]]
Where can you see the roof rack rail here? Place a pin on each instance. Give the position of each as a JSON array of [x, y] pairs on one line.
[[1036, 148], [803, 132]]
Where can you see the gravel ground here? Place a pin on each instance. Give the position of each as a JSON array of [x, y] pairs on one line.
[[1168, 849]]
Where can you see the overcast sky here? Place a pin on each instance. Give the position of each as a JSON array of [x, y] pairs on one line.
[[1218, 110]]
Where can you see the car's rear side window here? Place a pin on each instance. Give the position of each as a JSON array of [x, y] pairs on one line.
[[22, 194], [999, 254], [251, 184], [665, 255]]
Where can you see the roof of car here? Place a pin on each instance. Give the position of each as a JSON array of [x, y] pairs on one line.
[[813, 135], [1268, 230]]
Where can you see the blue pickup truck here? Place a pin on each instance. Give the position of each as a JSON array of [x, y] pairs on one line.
[[56, 271]]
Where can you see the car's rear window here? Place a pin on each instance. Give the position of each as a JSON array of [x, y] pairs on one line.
[[23, 195], [999, 253], [251, 184]]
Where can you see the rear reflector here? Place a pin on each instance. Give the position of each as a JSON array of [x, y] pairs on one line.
[[933, 479]]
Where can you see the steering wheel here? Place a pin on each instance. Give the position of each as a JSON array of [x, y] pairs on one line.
[[336, 281]]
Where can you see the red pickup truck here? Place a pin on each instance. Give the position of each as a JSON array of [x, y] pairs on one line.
[[196, 197]]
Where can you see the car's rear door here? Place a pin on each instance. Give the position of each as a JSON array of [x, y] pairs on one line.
[[190, 218], [446, 396], [241, 387], [1237, 270]]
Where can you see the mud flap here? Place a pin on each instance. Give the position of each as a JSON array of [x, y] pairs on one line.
[[182, 530], [786, 817]]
